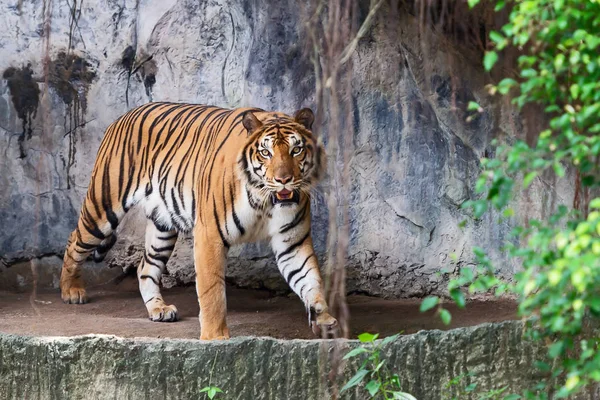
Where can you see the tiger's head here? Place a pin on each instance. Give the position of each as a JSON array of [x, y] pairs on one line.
[[282, 159]]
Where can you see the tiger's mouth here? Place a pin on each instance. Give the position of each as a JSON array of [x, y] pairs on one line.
[[285, 196]]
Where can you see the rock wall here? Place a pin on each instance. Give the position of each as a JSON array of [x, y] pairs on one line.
[[416, 156], [107, 367]]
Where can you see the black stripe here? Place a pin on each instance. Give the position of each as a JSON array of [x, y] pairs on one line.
[[294, 272], [84, 245], [129, 183], [293, 247], [148, 261], [159, 227], [149, 277], [287, 259], [225, 242], [112, 218], [252, 201], [106, 198], [302, 290], [162, 259], [161, 249], [235, 217], [193, 205], [299, 217], [175, 205], [94, 231], [300, 278], [104, 247], [173, 236], [225, 202]]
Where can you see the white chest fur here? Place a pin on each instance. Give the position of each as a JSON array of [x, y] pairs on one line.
[[259, 224]]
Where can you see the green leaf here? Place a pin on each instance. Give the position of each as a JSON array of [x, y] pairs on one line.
[[368, 337], [211, 391], [373, 387], [558, 170], [403, 396], [499, 5], [595, 203], [496, 37], [556, 349], [378, 367], [512, 397], [459, 298], [480, 207], [529, 178], [471, 387], [473, 3], [528, 73], [445, 316], [473, 106], [505, 85], [355, 380], [390, 339], [428, 303], [355, 352], [489, 60]]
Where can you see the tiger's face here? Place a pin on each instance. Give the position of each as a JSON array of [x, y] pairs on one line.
[[282, 159]]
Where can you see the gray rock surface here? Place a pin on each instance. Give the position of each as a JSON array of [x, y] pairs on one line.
[[416, 157], [107, 367]]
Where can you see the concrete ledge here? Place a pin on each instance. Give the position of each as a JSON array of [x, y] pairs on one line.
[[108, 367]]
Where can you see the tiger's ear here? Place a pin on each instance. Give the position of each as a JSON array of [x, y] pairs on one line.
[[305, 117], [250, 122]]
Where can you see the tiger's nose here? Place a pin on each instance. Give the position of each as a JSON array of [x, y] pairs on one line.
[[283, 179]]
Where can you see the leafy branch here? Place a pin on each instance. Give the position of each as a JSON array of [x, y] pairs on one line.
[[381, 383]]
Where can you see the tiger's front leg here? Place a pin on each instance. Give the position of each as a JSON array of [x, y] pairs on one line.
[[209, 261], [160, 243], [297, 262]]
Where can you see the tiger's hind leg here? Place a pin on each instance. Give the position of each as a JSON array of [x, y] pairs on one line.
[[159, 246], [83, 241], [72, 287]]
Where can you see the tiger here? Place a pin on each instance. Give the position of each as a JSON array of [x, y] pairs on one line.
[[225, 176]]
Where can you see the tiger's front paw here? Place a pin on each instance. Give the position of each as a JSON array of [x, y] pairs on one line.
[[163, 313], [324, 321], [74, 295], [215, 338], [210, 333]]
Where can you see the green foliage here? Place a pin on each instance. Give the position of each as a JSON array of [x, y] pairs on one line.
[[559, 71], [428, 303], [380, 382], [457, 389], [211, 391]]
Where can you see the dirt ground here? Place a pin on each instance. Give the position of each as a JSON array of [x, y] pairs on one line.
[[119, 310]]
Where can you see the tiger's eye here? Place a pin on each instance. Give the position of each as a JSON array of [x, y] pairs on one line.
[[265, 153], [297, 150]]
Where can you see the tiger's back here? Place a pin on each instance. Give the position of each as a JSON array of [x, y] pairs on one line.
[[165, 154]]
